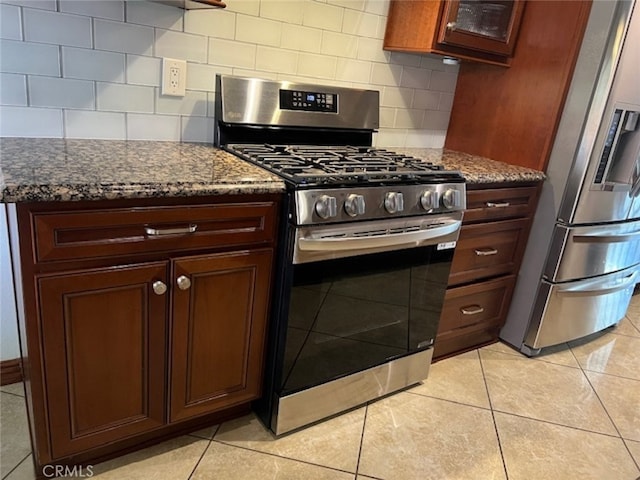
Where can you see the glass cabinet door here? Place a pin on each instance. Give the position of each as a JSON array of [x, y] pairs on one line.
[[485, 25]]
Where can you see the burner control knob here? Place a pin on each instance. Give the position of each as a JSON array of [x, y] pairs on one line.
[[354, 205], [430, 200], [394, 202], [451, 198], [326, 207]]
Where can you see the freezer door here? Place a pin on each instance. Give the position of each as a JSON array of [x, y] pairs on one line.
[[568, 311], [581, 252]]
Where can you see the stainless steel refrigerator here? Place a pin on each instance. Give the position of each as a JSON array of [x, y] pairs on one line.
[[583, 256]]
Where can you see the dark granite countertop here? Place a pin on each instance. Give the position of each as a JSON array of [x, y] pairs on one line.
[[42, 169]]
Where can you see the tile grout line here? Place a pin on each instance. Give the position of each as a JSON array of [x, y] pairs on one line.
[[13, 394], [447, 400], [195, 467], [16, 467], [624, 441], [493, 416], [364, 425]]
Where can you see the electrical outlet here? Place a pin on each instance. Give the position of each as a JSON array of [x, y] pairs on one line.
[[174, 77]]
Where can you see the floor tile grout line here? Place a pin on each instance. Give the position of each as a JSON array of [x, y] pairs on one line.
[[12, 394], [16, 467], [626, 445], [364, 425], [493, 415], [280, 456], [195, 467], [539, 359], [573, 427], [448, 400]]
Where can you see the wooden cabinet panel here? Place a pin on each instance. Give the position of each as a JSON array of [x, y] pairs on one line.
[[471, 310], [487, 250], [500, 203], [106, 232], [218, 331], [104, 352]]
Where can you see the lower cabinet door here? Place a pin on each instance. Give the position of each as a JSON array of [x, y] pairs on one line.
[[104, 340], [219, 319]]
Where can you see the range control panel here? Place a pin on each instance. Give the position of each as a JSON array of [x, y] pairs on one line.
[[308, 101]]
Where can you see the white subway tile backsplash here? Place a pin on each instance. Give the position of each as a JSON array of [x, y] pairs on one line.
[[248, 7], [10, 23], [144, 70], [443, 82], [387, 117], [425, 138], [42, 4], [360, 23], [181, 45], [31, 122], [446, 102], [371, 49], [426, 99], [232, 54], [319, 66], [436, 120], [56, 28], [110, 9], [396, 97], [202, 77], [276, 60], [353, 70], [385, 74], [123, 37], [24, 57], [212, 23], [415, 77], [155, 15], [89, 64], [326, 17], [339, 44], [197, 129], [286, 11], [60, 92], [13, 89], [91, 124], [124, 98], [258, 30], [153, 127], [409, 118], [105, 71], [193, 103], [409, 59], [296, 37]]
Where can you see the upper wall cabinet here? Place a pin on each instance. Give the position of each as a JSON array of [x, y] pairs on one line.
[[194, 4], [480, 30]]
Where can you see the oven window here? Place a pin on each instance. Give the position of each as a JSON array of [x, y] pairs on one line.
[[350, 314]]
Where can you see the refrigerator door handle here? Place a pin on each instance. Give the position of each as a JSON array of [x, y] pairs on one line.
[[607, 238], [591, 289]]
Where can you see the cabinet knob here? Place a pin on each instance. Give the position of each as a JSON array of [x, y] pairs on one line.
[[159, 288], [183, 282]]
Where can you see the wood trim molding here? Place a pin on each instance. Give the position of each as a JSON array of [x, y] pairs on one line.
[[10, 371]]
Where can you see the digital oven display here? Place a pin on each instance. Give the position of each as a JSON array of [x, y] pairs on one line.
[[308, 101]]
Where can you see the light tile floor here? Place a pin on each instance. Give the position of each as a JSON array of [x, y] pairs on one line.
[[573, 413]]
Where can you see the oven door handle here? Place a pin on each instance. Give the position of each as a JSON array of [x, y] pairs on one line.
[[377, 241]]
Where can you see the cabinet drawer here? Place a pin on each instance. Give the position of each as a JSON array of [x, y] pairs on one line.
[[78, 234], [500, 203], [486, 250], [475, 307]]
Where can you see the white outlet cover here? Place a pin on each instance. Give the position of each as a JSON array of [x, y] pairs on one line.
[[174, 84]]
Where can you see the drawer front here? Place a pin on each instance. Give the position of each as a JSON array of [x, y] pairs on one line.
[[475, 307], [487, 250], [82, 234], [500, 203]]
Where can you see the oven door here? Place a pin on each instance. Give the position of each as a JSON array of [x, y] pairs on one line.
[[364, 295]]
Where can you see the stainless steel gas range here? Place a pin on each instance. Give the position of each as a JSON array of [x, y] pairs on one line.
[[367, 240]]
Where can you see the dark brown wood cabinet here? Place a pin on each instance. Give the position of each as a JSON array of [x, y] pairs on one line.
[[492, 240], [142, 318], [484, 31]]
